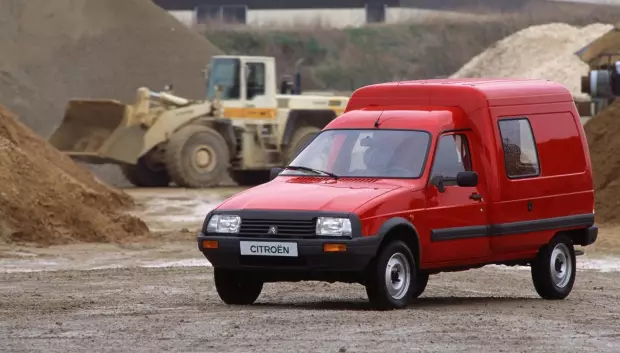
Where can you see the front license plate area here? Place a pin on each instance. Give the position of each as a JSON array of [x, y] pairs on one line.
[[268, 248]]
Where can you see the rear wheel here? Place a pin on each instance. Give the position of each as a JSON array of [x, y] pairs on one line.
[[249, 177], [300, 139], [392, 277], [554, 268], [236, 287], [197, 157], [146, 173]]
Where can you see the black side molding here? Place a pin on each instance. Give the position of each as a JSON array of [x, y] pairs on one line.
[[582, 220], [459, 233]]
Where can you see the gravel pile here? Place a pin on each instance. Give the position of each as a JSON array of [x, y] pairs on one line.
[[543, 52]]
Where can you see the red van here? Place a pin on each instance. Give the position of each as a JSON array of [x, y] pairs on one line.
[[417, 178]]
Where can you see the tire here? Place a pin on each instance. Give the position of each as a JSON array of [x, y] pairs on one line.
[[235, 287], [249, 177], [419, 285], [182, 157], [143, 175], [300, 139], [398, 256], [554, 269]]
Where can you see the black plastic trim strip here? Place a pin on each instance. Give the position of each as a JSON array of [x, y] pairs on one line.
[[584, 220], [581, 220], [459, 233]]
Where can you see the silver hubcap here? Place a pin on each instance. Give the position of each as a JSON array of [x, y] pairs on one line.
[[397, 276], [561, 265]]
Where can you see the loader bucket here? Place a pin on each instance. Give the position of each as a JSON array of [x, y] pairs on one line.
[[87, 127]]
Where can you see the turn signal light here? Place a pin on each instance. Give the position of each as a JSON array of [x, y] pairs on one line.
[[334, 247], [209, 244]]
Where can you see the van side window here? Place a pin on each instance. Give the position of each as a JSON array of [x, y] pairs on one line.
[[256, 80], [452, 156], [520, 154]]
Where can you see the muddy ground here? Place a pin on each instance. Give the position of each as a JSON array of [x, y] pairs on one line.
[[158, 296], [177, 310]]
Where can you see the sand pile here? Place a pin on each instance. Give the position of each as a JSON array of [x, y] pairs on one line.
[[603, 132], [48, 199], [55, 50], [543, 52]]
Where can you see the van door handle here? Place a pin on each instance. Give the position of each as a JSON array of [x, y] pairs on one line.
[[475, 196]]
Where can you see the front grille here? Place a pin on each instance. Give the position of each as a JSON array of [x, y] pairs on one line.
[[288, 228]]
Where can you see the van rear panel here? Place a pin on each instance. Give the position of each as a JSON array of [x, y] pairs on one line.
[[545, 183]]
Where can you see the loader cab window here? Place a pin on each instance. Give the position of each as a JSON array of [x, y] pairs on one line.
[[225, 73], [255, 82]]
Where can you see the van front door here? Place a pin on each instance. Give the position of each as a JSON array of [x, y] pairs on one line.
[[457, 218]]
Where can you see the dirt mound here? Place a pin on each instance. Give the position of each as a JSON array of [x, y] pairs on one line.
[[53, 51], [543, 52], [603, 133], [48, 199]]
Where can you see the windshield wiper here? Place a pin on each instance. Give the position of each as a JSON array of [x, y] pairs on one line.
[[317, 171]]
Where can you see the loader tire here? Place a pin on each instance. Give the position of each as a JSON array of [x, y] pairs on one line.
[[197, 157], [249, 177], [143, 175], [300, 139]]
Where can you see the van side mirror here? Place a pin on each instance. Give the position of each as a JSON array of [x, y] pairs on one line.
[[467, 179], [463, 179], [274, 172]]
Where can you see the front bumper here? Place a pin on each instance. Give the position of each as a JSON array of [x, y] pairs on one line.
[[310, 254]]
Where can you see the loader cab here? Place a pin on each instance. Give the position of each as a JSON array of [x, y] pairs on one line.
[[248, 85]]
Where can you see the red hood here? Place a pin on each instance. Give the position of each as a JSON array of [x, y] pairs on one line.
[[308, 193]]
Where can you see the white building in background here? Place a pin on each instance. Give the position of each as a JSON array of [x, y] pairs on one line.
[[330, 13], [333, 13]]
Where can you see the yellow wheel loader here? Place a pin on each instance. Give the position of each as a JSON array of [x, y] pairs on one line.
[[244, 127]]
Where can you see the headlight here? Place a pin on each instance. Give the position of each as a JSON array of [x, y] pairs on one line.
[[224, 224], [333, 226]]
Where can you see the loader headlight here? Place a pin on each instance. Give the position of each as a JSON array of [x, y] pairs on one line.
[[331, 226], [224, 224]]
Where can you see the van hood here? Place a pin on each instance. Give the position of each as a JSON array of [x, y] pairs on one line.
[[308, 194]]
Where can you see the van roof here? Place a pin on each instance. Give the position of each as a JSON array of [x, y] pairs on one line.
[[467, 93]]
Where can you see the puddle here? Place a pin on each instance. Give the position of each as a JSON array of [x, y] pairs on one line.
[[174, 209], [602, 264]]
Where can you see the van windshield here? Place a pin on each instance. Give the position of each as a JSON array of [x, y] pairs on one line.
[[373, 153]]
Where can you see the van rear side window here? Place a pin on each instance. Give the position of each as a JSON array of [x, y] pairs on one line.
[[520, 154]]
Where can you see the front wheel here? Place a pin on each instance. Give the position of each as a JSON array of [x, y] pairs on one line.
[[146, 173], [236, 287], [197, 157], [554, 269], [392, 277], [420, 285]]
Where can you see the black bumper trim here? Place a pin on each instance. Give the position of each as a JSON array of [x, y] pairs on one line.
[[311, 257], [591, 235]]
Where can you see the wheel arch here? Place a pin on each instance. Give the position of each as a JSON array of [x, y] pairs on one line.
[[580, 236], [297, 118], [399, 228]]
